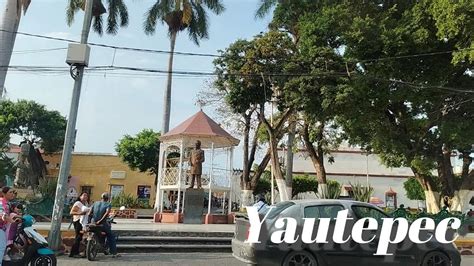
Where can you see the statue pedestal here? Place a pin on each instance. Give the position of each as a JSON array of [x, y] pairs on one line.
[[24, 192], [193, 206]]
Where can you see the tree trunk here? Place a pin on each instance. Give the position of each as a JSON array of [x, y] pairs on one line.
[[246, 166], [10, 22], [445, 171], [317, 158], [167, 95], [247, 197], [289, 157], [431, 196]]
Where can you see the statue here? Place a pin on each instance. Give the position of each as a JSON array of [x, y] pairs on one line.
[[195, 160], [30, 167]]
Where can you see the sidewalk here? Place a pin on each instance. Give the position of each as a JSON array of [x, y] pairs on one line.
[[147, 225]]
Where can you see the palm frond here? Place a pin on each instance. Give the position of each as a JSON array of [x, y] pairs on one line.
[[265, 7], [156, 12], [215, 6], [97, 25], [123, 12], [71, 9], [112, 23], [198, 28], [24, 5]]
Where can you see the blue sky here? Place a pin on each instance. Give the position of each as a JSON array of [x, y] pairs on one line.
[[112, 105]]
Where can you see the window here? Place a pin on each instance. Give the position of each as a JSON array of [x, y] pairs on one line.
[[87, 189], [364, 212], [279, 207], [115, 190], [322, 211], [143, 192]]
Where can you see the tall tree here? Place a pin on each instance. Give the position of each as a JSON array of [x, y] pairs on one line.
[[9, 26], [180, 15], [247, 74], [141, 151], [413, 111]]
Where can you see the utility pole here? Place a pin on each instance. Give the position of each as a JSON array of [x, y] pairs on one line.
[[61, 189]]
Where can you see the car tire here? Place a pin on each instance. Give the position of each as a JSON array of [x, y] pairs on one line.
[[436, 258], [301, 257]]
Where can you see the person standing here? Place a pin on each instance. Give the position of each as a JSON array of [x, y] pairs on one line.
[[79, 212], [196, 159], [7, 195]]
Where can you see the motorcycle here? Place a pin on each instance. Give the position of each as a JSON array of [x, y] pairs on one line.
[[97, 239], [32, 246]]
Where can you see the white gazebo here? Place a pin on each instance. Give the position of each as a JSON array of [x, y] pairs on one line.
[[174, 168]]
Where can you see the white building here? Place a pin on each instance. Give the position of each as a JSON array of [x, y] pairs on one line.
[[352, 165]]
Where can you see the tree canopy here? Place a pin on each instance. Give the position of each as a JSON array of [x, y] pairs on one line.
[[32, 121], [141, 152]]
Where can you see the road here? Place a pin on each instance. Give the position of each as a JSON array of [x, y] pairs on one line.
[[165, 259], [177, 259]]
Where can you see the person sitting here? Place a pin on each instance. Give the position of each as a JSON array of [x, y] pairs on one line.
[[261, 204], [99, 214]]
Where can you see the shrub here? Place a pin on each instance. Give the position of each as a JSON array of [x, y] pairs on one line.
[[334, 189], [362, 193]]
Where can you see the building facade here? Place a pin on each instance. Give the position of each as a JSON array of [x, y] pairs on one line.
[[352, 166]]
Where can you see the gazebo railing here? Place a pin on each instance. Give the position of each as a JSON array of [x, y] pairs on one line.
[[170, 176], [220, 177]]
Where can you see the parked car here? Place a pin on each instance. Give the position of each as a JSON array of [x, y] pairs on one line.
[[328, 254]]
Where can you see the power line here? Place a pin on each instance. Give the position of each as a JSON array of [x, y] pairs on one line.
[[113, 46], [411, 56], [422, 86], [216, 55]]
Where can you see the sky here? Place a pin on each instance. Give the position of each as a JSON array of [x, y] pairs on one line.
[[114, 105]]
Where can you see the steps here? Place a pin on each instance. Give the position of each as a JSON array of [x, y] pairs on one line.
[[185, 242]]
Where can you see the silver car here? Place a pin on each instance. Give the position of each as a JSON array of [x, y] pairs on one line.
[[266, 252]]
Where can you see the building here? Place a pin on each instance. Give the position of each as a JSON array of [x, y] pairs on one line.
[[96, 173], [352, 165]]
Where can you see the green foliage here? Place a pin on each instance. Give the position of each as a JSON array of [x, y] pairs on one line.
[[141, 151], [47, 187], [413, 189], [180, 15], [304, 183], [32, 121], [334, 189], [129, 201], [362, 193], [116, 10]]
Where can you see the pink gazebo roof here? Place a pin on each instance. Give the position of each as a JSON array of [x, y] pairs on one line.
[[201, 127]]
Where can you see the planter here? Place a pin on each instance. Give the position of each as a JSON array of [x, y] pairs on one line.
[[125, 214], [216, 219], [172, 218]]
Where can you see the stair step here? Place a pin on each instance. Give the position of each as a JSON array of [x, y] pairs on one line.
[[144, 248], [174, 238]]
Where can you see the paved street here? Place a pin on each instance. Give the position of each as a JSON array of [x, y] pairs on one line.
[[175, 259], [166, 259]]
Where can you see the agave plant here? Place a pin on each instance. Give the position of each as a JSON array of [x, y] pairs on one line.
[[362, 193], [334, 190]]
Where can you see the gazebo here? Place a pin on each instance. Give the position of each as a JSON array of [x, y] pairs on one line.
[[174, 168]]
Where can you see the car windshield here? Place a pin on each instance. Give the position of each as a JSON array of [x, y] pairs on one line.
[[278, 208]]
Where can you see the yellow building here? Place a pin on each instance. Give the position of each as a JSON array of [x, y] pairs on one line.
[[96, 173]]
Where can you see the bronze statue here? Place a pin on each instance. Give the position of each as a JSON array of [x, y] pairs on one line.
[[195, 160]]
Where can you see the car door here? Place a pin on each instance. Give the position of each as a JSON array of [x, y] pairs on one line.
[[331, 253], [368, 250]]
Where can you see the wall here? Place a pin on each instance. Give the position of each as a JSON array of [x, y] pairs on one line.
[[95, 170]]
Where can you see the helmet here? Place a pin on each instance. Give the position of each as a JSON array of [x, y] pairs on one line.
[[105, 196], [28, 220]]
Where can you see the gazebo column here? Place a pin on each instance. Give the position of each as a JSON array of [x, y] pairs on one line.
[[159, 194], [230, 215], [180, 173], [208, 219]]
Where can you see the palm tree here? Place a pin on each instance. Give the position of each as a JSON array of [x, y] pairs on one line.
[[180, 15], [117, 14], [9, 26]]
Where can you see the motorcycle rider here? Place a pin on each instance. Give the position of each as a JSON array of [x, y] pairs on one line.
[[99, 213]]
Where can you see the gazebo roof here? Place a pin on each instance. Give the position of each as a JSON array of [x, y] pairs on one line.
[[201, 127]]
